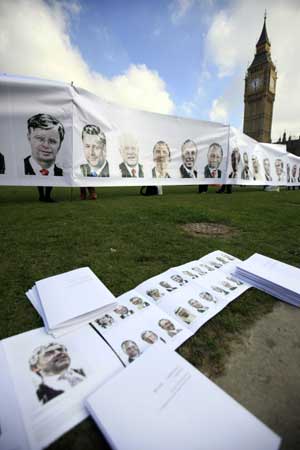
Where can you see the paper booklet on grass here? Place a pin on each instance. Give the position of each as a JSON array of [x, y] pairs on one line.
[[162, 402], [44, 382], [72, 298], [272, 276]]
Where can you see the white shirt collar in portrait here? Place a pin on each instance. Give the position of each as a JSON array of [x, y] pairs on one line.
[[158, 175], [213, 172], [37, 168], [190, 171]]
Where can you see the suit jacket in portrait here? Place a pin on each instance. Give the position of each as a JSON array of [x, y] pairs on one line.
[[245, 175], [2, 164], [154, 174], [28, 170], [185, 173], [268, 177], [207, 173], [86, 170], [126, 174]]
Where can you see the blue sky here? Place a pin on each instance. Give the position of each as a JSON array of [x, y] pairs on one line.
[[114, 34], [183, 57]]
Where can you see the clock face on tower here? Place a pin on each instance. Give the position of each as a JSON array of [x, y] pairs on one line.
[[255, 84]]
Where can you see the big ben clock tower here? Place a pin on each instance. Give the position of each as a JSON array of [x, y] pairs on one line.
[[260, 85]]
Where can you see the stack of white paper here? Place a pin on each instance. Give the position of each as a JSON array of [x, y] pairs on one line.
[[70, 299], [274, 277], [162, 402]]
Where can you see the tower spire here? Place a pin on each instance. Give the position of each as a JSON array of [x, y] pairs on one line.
[[264, 39]]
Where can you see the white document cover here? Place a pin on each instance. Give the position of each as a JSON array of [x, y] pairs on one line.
[[72, 296], [162, 402]]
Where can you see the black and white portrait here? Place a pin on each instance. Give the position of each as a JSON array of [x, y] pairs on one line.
[[161, 159], [123, 312], [139, 303], [131, 349], [214, 159], [279, 169], [129, 150], [245, 175], [51, 366], [235, 161], [189, 156], [105, 321], [198, 306], [94, 149], [185, 315], [267, 169], [169, 327], [45, 135]]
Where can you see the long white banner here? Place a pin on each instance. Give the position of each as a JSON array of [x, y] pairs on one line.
[[57, 134]]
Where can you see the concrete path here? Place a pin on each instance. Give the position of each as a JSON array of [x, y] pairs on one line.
[[263, 373]]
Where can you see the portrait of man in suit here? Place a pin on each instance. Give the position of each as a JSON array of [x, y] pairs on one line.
[[167, 286], [129, 150], [197, 305], [279, 169], [149, 336], [189, 156], [214, 159], [267, 169], [45, 135], [2, 164], [288, 173], [94, 147], [235, 161], [245, 175], [178, 279], [257, 176], [161, 158], [131, 349], [51, 365], [123, 312], [105, 321], [207, 297], [169, 327], [155, 294], [294, 174], [185, 315], [139, 303]]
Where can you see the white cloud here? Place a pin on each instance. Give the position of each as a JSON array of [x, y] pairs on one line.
[[218, 111], [179, 8], [230, 46], [188, 108], [35, 41]]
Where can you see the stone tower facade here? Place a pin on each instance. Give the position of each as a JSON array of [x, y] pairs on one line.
[[260, 87]]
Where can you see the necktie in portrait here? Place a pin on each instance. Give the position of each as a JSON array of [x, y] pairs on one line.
[[44, 172], [133, 172]]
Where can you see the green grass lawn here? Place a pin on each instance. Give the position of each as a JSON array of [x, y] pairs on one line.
[[125, 239]]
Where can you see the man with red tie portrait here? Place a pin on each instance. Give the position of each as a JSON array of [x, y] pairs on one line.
[[129, 149], [45, 136], [94, 148], [214, 159]]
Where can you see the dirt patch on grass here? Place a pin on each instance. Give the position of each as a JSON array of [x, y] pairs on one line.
[[208, 229]]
